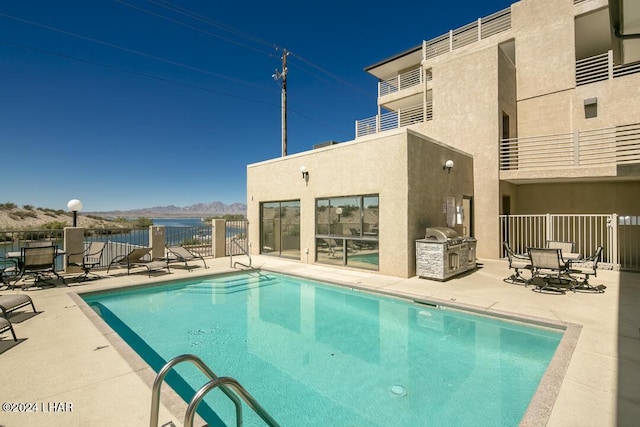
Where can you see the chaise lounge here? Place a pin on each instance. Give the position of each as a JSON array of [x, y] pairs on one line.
[[176, 253], [138, 258], [12, 302]]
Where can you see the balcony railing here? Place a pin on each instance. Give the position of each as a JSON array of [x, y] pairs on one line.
[[601, 147], [401, 81], [394, 119], [600, 67], [470, 33]]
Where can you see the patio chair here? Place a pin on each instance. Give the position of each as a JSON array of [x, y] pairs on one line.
[[550, 271], [9, 271], [39, 262], [87, 260], [517, 263], [5, 325], [177, 253], [588, 267], [12, 302], [565, 247], [137, 258]]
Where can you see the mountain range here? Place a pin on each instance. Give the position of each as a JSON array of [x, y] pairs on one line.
[[197, 209]]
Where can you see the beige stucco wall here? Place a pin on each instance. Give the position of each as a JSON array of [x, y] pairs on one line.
[[467, 115], [544, 33], [580, 197], [398, 166]]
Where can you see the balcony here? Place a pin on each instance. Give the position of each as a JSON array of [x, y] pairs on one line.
[[608, 152], [470, 33], [394, 119], [402, 81], [600, 67]]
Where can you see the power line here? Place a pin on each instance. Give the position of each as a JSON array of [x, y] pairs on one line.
[[175, 21], [128, 50], [165, 80], [136, 73]]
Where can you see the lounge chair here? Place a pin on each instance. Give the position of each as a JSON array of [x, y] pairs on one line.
[[12, 302], [176, 253], [549, 271], [5, 325], [39, 261], [87, 260], [588, 267], [517, 263], [137, 258]]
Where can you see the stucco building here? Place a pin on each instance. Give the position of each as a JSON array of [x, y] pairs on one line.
[[531, 107]]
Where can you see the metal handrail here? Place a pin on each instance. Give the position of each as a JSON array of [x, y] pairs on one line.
[[244, 251], [155, 391], [237, 387]]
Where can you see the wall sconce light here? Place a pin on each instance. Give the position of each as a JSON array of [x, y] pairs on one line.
[[447, 166], [305, 173], [74, 206]]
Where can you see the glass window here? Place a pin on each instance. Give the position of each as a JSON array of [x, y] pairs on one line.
[[347, 231]]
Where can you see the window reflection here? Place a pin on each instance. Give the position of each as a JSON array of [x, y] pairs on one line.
[[280, 228], [347, 231]]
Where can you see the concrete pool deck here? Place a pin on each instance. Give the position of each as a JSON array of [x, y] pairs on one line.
[[79, 374]]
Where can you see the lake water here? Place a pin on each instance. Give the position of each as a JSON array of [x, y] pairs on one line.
[[179, 222]]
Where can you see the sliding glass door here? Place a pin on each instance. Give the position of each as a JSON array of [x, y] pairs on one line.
[[280, 228]]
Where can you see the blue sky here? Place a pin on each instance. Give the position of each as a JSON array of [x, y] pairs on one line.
[[128, 104]]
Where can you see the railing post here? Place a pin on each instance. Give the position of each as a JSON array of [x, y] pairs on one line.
[[549, 227], [424, 50], [450, 40], [219, 238], [610, 63], [613, 249], [479, 29], [576, 148], [157, 241]]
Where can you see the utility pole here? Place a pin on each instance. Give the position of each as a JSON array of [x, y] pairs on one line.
[[282, 75]]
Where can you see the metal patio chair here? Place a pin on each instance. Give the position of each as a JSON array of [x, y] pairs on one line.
[[87, 260]]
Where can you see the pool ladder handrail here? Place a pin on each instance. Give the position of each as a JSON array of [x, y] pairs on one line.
[[244, 251], [225, 383]]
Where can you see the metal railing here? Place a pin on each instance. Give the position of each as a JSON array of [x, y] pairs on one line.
[[394, 119], [196, 239], [238, 230], [619, 235], [400, 82], [470, 33], [601, 67], [599, 147], [229, 386]]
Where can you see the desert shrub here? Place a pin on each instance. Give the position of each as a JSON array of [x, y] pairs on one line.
[[8, 206]]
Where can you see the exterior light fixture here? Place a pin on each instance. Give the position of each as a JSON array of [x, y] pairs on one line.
[[338, 212], [75, 206], [305, 173], [447, 166]]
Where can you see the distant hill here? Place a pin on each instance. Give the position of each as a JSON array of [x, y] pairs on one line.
[[195, 210]]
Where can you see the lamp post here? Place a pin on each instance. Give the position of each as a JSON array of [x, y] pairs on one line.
[[75, 206]]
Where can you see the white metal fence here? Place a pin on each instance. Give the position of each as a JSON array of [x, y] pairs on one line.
[[619, 235]]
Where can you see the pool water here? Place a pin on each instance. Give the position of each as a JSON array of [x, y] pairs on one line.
[[314, 354]]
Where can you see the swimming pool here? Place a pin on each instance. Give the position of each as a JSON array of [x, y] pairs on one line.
[[317, 354]]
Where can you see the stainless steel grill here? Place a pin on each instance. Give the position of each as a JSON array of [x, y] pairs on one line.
[[443, 235], [443, 254]]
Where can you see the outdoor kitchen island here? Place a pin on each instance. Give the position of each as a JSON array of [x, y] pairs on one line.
[[443, 254]]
